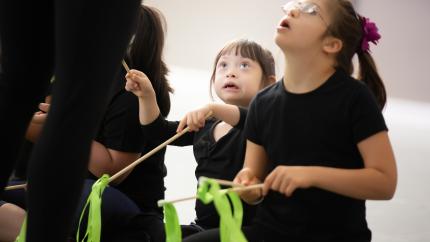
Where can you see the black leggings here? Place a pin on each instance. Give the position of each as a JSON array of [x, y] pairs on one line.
[[85, 40]]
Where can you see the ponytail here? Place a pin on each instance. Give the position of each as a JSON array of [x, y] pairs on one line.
[[369, 75]]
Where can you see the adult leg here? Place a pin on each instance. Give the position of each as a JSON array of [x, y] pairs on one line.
[[91, 39], [27, 42]]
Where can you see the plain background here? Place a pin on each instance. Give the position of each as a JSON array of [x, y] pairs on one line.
[[197, 29]]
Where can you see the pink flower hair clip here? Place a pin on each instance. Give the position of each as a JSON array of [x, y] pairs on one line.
[[370, 33]]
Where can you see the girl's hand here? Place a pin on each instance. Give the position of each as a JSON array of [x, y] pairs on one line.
[[138, 83], [195, 120], [246, 177], [286, 179], [39, 117]]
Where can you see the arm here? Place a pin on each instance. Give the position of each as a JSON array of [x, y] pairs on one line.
[[36, 124], [377, 180], [11, 218], [196, 119], [108, 161], [139, 84], [253, 171], [153, 124]]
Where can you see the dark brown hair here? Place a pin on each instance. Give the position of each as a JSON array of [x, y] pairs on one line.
[[145, 53], [346, 25], [252, 50]]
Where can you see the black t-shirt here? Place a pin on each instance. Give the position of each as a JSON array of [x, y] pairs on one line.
[[220, 159], [319, 128], [120, 130]]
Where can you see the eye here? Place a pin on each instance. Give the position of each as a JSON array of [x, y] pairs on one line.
[[244, 65], [222, 65], [309, 8]]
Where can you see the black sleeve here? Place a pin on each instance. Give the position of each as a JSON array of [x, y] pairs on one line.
[[243, 113], [120, 127], [365, 115], [161, 130], [251, 123]]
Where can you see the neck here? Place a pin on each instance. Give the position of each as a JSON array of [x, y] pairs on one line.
[[303, 74]]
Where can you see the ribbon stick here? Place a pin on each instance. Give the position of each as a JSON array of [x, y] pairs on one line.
[[22, 232], [94, 202], [173, 229]]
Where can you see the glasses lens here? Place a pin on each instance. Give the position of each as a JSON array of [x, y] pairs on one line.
[[308, 7]]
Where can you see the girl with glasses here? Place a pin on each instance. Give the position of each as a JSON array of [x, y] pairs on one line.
[[317, 138]]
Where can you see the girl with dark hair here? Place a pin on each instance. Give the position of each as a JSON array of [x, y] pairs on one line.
[[241, 69]]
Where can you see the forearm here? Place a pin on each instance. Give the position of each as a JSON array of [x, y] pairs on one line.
[[366, 183], [148, 109], [256, 160], [225, 112], [33, 132]]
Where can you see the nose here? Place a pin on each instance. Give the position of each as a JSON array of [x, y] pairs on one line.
[[231, 74], [294, 12]]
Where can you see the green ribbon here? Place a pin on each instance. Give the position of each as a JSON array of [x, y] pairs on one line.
[[22, 232], [94, 202], [173, 229], [230, 221]]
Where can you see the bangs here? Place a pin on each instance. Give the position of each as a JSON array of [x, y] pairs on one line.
[[243, 48]]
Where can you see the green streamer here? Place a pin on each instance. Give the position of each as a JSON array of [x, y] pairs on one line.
[[22, 232], [230, 223], [173, 229], [94, 202]]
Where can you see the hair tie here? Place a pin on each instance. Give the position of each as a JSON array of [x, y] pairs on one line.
[[370, 33]]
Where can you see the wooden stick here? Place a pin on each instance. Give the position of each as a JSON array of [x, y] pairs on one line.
[[153, 151], [235, 189], [16, 187], [125, 66], [221, 182]]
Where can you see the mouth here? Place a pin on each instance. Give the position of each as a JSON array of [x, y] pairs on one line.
[[284, 24], [230, 85]]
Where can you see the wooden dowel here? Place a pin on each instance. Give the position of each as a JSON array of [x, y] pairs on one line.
[[153, 151], [235, 189], [16, 187], [125, 66]]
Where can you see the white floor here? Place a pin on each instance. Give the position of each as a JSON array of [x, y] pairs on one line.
[[406, 218]]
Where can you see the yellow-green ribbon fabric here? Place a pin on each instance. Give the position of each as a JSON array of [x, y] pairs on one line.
[[94, 202], [22, 232], [171, 225], [230, 221]]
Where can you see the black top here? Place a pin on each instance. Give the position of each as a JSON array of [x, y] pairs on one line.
[[220, 159], [319, 128], [120, 130]]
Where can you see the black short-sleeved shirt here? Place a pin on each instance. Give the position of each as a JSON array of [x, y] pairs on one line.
[[120, 130], [220, 159], [319, 128]]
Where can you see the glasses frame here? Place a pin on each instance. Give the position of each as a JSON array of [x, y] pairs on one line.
[[309, 8]]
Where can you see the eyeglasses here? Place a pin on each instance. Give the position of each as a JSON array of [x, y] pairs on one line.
[[304, 7]]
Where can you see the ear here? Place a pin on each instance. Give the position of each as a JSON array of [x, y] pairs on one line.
[[332, 45], [271, 79], [268, 81]]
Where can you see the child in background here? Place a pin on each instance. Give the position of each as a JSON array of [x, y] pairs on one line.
[[317, 138], [241, 69]]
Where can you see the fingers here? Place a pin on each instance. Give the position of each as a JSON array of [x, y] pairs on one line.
[[182, 124], [268, 182], [44, 107]]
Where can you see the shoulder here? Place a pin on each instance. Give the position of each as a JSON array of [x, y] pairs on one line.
[[269, 92]]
